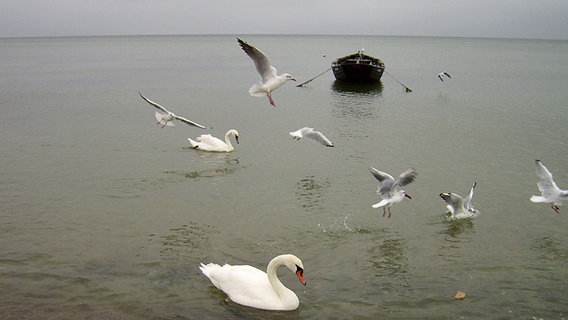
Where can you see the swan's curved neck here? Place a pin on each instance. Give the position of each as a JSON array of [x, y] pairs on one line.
[[228, 141], [271, 272]]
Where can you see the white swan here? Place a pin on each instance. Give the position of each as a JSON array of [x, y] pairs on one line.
[[207, 142], [252, 287], [269, 80]]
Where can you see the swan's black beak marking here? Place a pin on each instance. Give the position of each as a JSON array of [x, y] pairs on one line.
[[300, 274]]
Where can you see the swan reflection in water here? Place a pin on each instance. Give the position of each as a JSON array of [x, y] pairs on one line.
[[217, 164]]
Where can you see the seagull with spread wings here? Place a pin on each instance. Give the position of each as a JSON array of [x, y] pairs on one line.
[[441, 75], [550, 193], [389, 188], [269, 80], [459, 207], [165, 117], [308, 132]]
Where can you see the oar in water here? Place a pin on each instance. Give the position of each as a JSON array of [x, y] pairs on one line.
[[306, 82]]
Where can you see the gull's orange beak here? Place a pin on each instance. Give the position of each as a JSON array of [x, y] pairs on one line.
[[300, 275]]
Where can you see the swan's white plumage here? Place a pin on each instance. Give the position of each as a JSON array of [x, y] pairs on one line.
[[207, 142], [252, 287]]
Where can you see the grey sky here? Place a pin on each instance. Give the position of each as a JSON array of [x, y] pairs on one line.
[[547, 19]]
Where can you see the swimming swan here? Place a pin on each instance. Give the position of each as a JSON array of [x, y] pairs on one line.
[[207, 142], [252, 287]]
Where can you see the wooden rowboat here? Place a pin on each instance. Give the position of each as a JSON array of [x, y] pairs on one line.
[[358, 67]]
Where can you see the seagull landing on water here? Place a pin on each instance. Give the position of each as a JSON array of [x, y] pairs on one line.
[[441, 75], [459, 207], [550, 191], [390, 188], [269, 80], [312, 134], [166, 118]]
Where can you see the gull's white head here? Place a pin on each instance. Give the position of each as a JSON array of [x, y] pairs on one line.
[[454, 202], [449, 197], [400, 194], [288, 77]]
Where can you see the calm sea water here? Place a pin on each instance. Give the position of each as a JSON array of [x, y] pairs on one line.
[[105, 216]]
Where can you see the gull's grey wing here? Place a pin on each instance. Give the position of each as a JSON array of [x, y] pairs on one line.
[[546, 184], [451, 198], [319, 137], [155, 105], [406, 177], [182, 119], [385, 181], [469, 197], [261, 62]]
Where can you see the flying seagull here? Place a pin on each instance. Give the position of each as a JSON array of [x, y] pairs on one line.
[[389, 188], [548, 188], [165, 117], [441, 75], [312, 134], [458, 206], [269, 80]]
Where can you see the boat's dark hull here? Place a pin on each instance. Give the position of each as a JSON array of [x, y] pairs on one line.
[[358, 67]]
